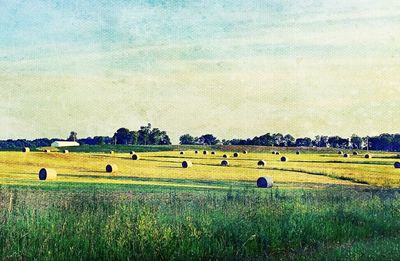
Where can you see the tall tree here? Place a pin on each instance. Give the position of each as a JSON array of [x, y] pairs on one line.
[[208, 139], [278, 139], [338, 142], [164, 138], [133, 137], [266, 140], [186, 139], [155, 136], [144, 134], [303, 142], [289, 140], [73, 136], [356, 141], [122, 136]]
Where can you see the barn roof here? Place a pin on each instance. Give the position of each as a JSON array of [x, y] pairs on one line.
[[62, 143]]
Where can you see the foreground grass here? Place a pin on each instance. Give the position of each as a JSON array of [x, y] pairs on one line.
[[168, 224]]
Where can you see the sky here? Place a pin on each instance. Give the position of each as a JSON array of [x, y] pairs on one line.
[[236, 69]]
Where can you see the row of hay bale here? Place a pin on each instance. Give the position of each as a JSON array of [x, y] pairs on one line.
[[188, 164], [26, 150], [49, 174], [205, 152], [278, 153], [355, 153], [262, 182], [225, 163], [367, 156]]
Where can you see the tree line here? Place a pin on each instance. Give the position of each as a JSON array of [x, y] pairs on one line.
[[145, 135], [385, 141]]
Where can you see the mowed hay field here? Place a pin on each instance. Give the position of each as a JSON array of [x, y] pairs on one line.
[[322, 206], [164, 168]]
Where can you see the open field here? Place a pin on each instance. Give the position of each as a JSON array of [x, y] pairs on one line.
[[164, 168], [321, 206]]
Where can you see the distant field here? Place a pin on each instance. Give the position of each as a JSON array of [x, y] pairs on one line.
[[116, 148], [228, 148], [322, 205]]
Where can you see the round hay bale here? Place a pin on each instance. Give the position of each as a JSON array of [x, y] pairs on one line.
[[131, 152], [111, 168], [26, 149], [284, 159], [212, 152], [273, 152], [47, 151], [235, 154], [297, 152], [66, 151], [205, 152], [397, 165], [135, 157], [182, 152], [265, 182], [187, 164], [245, 152], [47, 174], [368, 156], [355, 153], [346, 155], [111, 152], [196, 152], [261, 163], [225, 156], [340, 152], [277, 153], [225, 163]]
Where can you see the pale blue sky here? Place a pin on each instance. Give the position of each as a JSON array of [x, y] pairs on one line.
[[236, 68]]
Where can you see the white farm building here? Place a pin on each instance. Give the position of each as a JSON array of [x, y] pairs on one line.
[[60, 143]]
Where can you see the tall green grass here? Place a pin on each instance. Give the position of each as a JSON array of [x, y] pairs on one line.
[[242, 224]]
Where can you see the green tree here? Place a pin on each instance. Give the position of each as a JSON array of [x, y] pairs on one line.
[[164, 138], [72, 136], [144, 134], [356, 141], [122, 136], [99, 140], [133, 137], [155, 136], [289, 140], [208, 139], [186, 139], [278, 139]]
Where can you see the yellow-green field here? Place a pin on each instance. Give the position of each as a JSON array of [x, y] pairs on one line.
[[322, 207], [164, 169]]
